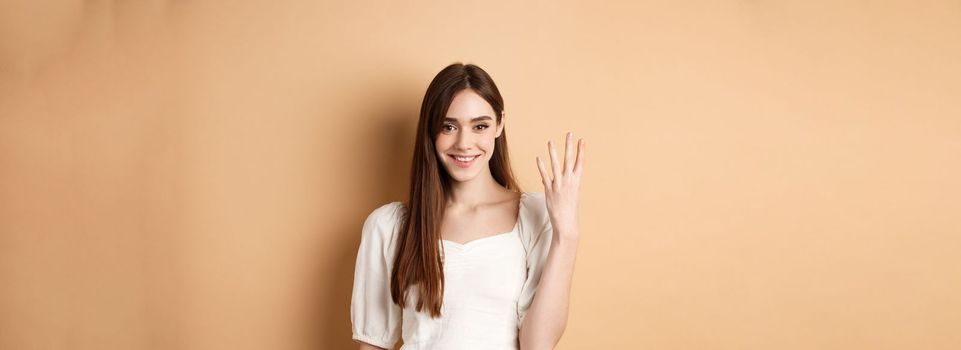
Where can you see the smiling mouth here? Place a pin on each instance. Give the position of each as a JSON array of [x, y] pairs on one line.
[[464, 162], [464, 158]]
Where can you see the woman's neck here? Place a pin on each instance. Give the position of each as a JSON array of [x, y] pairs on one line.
[[478, 191]]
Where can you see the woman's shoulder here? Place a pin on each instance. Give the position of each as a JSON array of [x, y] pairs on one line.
[[533, 196], [387, 212], [534, 217], [533, 205], [384, 220]]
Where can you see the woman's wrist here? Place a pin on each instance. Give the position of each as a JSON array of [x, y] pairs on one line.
[[566, 237]]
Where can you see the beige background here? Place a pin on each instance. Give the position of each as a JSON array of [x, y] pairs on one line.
[[762, 174]]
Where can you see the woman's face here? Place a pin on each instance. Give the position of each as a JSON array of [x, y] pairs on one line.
[[465, 143]]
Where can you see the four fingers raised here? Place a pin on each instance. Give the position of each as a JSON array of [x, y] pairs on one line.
[[573, 161]]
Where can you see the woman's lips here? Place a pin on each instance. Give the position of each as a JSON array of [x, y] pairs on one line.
[[464, 164]]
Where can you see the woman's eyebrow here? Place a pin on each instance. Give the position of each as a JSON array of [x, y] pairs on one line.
[[483, 117]]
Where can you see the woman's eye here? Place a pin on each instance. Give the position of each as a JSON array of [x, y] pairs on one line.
[[482, 126], [447, 127]]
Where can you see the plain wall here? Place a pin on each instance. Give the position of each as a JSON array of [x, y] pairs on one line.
[[760, 175]]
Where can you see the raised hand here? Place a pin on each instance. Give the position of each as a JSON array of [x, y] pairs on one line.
[[562, 191]]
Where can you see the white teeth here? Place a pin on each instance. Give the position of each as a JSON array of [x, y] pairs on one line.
[[465, 159]]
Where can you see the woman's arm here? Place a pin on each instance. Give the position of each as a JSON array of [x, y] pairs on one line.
[[365, 346], [546, 318]]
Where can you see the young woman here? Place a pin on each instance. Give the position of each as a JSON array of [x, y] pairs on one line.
[[469, 261]]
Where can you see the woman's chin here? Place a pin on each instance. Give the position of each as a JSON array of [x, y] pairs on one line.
[[462, 178], [459, 175]]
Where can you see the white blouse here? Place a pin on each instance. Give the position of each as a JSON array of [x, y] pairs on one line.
[[489, 283]]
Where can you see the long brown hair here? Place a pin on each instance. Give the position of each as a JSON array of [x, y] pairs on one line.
[[418, 259]]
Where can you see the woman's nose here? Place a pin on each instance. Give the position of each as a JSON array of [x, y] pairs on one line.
[[463, 140]]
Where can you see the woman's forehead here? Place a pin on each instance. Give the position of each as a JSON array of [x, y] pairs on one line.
[[468, 105]]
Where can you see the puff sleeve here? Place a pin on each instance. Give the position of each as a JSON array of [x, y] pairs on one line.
[[374, 318], [536, 234]]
